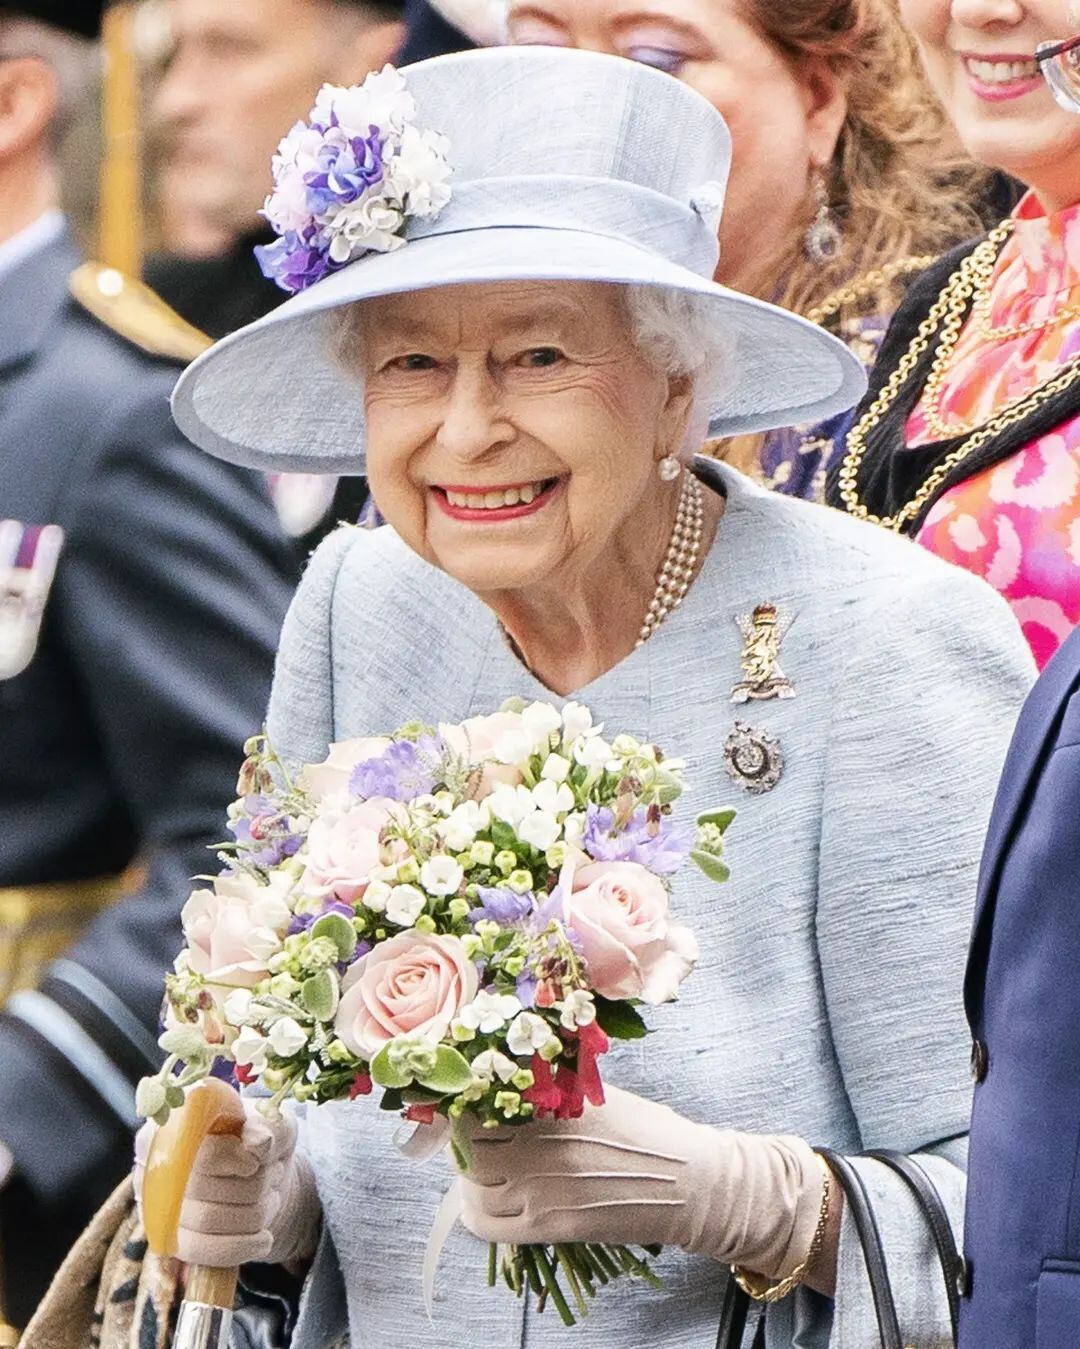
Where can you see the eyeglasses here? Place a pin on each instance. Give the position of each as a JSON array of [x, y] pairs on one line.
[[1060, 65]]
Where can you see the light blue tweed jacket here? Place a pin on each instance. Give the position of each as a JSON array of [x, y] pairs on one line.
[[828, 999]]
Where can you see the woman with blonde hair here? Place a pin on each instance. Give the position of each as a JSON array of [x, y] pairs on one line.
[[843, 185]]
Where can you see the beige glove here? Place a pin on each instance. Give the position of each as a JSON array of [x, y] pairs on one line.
[[636, 1173], [250, 1198]]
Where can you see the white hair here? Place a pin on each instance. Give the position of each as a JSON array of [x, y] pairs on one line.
[[677, 332], [674, 329], [75, 60]]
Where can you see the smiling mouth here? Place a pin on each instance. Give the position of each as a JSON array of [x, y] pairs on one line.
[[495, 503], [1003, 75]]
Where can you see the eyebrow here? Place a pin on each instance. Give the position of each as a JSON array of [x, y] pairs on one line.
[[660, 15], [552, 314]]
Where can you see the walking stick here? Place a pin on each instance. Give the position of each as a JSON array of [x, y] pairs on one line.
[[211, 1108]]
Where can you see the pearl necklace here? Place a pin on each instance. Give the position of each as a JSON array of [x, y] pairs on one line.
[[680, 561], [677, 570]]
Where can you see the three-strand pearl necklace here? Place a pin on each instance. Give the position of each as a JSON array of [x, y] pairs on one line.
[[680, 562]]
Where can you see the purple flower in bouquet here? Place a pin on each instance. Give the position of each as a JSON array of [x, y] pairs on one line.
[[401, 773], [662, 847], [502, 906]]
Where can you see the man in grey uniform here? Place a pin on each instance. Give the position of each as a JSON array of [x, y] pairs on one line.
[[142, 585]]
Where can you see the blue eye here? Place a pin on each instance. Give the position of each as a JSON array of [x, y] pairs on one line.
[[660, 58]]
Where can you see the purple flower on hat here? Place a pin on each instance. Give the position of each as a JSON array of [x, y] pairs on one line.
[[347, 182]]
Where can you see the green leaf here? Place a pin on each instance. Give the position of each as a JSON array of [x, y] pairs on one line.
[[452, 1072], [392, 1100], [320, 995], [503, 836], [720, 818], [385, 1074], [340, 931], [712, 866], [620, 1020]]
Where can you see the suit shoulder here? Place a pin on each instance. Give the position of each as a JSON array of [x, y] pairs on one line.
[[133, 313]]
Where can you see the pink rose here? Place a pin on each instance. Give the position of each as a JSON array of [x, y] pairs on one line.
[[333, 774], [619, 911], [233, 929], [344, 849], [414, 984], [479, 740]]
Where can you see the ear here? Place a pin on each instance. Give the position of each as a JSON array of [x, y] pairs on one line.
[[372, 47], [28, 98], [675, 414], [826, 101]]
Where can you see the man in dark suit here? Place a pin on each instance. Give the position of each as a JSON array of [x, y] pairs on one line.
[[1022, 1234], [142, 585]]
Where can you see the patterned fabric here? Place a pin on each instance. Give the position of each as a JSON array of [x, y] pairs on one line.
[[826, 1003], [1017, 524], [795, 460]]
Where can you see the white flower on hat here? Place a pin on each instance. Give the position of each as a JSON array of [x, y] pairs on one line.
[[419, 174], [383, 101]]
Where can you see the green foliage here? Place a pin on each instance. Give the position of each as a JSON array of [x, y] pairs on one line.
[[340, 931], [712, 866], [719, 818], [319, 995], [619, 1020]]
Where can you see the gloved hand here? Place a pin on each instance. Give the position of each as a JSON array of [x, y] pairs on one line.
[[635, 1173], [250, 1198]]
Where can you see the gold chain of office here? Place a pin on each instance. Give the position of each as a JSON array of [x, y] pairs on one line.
[[970, 283]]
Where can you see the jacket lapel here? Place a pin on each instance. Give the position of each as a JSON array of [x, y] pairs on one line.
[[1034, 737]]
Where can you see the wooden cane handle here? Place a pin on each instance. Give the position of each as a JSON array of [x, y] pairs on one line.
[[210, 1108]]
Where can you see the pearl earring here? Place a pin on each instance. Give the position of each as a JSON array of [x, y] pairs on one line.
[[823, 240], [669, 468]]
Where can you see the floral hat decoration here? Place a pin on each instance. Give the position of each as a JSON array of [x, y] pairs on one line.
[[346, 181], [500, 164]]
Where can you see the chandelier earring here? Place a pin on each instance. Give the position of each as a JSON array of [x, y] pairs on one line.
[[823, 239]]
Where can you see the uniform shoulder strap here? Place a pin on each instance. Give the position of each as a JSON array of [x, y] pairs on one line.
[[137, 313]]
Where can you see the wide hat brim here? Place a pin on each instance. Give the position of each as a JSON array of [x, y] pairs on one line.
[[277, 395]]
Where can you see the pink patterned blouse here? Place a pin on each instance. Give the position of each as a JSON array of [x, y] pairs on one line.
[[1017, 524]]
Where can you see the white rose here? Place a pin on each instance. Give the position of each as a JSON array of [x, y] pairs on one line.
[[441, 876], [540, 830], [405, 905], [287, 1037]]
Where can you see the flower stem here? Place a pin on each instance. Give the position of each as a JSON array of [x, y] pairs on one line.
[[551, 1282], [567, 1265], [493, 1264]]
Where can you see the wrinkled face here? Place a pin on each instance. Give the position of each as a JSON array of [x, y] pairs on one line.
[[782, 123], [513, 429], [978, 55], [241, 73]]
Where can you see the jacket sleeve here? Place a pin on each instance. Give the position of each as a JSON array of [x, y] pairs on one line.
[[922, 724], [173, 586]]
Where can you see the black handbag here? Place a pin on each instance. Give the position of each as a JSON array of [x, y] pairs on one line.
[[736, 1306]]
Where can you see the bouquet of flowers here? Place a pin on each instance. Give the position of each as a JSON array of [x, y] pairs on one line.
[[461, 916]]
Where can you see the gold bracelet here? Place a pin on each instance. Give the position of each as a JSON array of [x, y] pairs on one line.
[[765, 1290]]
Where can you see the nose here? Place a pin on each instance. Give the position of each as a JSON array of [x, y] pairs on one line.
[[474, 419], [178, 95], [986, 13]]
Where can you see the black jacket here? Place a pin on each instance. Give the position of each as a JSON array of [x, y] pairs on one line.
[[891, 474], [120, 741]]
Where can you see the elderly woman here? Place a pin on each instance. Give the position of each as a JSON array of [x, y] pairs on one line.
[[525, 371], [845, 182]]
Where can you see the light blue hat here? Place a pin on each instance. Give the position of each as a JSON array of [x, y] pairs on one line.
[[565, 165]]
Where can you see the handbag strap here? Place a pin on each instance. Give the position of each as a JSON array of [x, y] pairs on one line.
[[929, 1202], [733, 1314], [862, 1215]]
